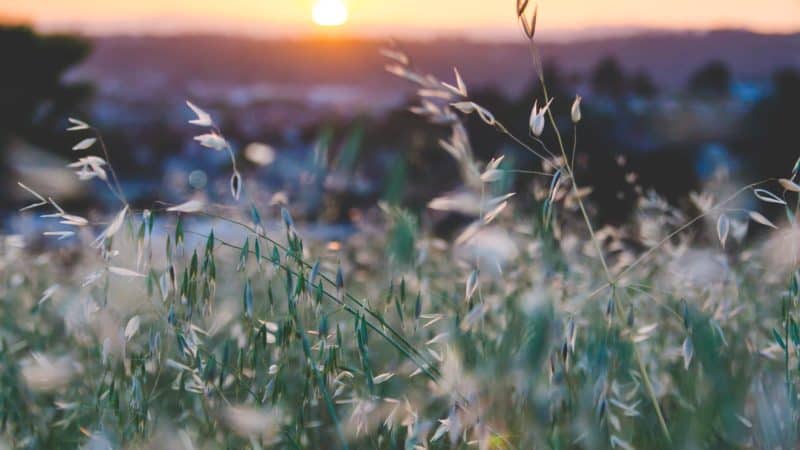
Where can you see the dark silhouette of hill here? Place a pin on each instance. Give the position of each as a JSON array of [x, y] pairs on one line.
[[669, 57]]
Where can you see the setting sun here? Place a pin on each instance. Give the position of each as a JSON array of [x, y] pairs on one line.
[[329, 13]]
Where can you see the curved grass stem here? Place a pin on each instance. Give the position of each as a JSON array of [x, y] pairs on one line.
[[332, 282], [403, 347]]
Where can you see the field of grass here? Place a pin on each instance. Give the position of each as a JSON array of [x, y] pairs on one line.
[[203, 325]]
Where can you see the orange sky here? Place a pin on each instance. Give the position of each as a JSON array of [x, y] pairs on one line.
[[400, 17]]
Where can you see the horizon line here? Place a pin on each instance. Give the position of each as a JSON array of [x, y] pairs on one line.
[[564, 35]]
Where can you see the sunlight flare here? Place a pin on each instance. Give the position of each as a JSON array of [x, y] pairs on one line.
[[329, 13]]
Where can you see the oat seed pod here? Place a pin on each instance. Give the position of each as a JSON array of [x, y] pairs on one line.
[[537, 120], [575, 113]]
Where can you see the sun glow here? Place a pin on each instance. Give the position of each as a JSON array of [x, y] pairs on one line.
[[329, 13]]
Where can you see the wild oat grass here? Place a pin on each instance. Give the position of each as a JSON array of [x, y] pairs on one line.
[[201, 325]]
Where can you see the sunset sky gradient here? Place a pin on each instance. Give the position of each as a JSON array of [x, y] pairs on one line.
[[406, 18]]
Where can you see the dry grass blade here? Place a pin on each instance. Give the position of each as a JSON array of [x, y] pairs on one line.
[[789, 185], [530, 27], [522, 5], [84, 144], [759, 218], [191, 206], [768, 197], [723, 228]]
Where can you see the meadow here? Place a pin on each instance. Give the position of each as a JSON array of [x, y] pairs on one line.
[[203, 325]]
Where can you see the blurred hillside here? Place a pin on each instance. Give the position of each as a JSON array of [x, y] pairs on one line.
[[676, 108], [346, 76], [35, 98]]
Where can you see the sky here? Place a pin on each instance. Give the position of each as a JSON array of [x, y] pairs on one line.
[[403, 18]]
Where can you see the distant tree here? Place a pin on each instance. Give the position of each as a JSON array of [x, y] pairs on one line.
[[34, 99], [608, 78], [769, 142], [33, 96], [712, 80], [642, 85], [557, 85], [787, 84]]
